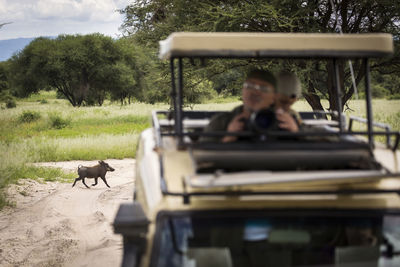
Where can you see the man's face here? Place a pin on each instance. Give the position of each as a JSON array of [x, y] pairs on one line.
[[257, 94], [284, 102]]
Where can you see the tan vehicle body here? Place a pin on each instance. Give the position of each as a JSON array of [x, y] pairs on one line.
[[178, 164]]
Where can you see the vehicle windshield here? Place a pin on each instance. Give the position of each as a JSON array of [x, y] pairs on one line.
[[270, 239]]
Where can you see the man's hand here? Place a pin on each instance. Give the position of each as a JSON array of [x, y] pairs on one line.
[[286, 121], [235, 125]]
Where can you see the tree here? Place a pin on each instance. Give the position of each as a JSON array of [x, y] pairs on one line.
[[84, 69], [151, 21], [5, 95], [4, 83], [350, 17], [76, 68], [27, 67], [128, 72]]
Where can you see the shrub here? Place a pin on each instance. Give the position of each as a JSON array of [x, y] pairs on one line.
[[8, 99], [394, 97], [199, 93], [43, 101], [11, 103], [378, 91], [29, 116], [58, 122]]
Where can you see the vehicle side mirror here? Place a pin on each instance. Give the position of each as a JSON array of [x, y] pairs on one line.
[[132, 223]]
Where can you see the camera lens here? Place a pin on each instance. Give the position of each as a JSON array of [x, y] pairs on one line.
[[263, 120]]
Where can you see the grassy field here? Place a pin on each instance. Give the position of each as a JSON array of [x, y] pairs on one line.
[[43, 128]]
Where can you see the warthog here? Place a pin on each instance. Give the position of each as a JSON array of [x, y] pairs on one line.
[[95, 172]]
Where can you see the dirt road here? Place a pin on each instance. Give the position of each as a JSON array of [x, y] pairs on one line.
[[54, 224]]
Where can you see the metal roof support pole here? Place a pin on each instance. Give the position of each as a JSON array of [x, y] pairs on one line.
[[173, 85], [338, 95], [179, 96], [368, 97]]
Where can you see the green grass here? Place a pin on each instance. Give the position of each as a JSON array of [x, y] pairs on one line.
[[83, 148], [74, 122], [28, 133], [384, 111], [15, 171], [38, 173]]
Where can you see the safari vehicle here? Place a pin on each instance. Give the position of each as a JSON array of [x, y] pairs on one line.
[[326, 197]]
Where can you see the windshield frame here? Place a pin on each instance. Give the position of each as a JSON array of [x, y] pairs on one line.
[[271, 212]]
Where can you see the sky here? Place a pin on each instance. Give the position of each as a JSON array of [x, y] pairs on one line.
[[34, 18]]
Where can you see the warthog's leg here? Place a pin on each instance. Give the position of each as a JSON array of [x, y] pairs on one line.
[[95, 181], [77, 179], [83, 181], [104, 180]]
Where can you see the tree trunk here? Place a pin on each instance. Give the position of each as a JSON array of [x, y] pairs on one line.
[[314, 101], [82, 92], [312, 97]]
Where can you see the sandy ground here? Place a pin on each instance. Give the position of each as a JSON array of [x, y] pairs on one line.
[[53, 224]]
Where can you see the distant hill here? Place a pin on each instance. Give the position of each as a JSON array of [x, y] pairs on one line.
[[10, 46]]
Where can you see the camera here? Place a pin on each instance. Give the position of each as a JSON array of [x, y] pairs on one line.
[[263, 120]]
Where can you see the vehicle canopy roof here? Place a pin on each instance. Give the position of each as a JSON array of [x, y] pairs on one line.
[[244, 44]]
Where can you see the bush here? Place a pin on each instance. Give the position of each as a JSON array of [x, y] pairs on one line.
[[29, 116], [8, 99], [199, 92], [60, 95], [43, 101], [58, 122], [11, 103], [394, 97], [378, 91]]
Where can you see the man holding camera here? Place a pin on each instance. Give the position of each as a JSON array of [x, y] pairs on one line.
[[258, 93]]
